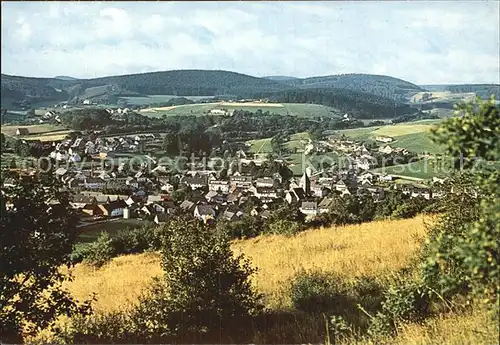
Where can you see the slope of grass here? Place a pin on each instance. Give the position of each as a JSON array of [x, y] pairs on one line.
[[182, 110], [418, 143], [403, 129], [374, 249], [152, 99], [413, 137], [339, 249], [260, 145], [313, 110], [292, 109]]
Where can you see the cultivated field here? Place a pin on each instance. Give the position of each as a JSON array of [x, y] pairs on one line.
[[294, 109], [444, 96], [33, 129]]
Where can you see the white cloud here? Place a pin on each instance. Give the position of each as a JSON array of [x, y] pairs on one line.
[[421, 42]]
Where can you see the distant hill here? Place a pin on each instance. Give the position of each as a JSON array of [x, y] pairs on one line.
[[380, 85], [108, 89], [363, 95]]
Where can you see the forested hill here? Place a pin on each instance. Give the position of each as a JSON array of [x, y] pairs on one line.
[[361, 105], [188, 83], [196, 83], [380, 85]]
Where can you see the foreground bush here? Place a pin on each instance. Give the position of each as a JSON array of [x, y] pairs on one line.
[[204, 295], [101, 251]]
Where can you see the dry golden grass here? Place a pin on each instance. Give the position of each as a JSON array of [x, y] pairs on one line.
[[473, 327], [118, 282], [375, 249]]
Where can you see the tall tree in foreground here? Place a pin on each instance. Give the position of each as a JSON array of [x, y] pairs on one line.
[[37, 232], [206, 292], [463, 253]]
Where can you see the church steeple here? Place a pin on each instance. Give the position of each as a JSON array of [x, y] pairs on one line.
[[305, 183]]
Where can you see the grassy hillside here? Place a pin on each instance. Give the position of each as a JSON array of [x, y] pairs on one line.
[[414, 137], [344, 250], [340, 249], [33, 129]]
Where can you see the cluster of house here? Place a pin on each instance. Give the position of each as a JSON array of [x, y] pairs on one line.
[[147, 194], [102, 147]]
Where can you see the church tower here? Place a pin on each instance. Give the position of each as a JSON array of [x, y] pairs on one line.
[[305, 183]]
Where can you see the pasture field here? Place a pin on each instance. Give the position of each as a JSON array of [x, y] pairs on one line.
[[414, 137], [311, 110], [391, 131], [181, 110], [260, 145], [417, 143], [49, 136]]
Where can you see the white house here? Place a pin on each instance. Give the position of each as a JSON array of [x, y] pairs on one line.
[[384, 139], [309, 208], [204, 212], [386, 149], [218, 185]]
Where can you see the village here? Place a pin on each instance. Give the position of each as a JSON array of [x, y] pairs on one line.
[[107, 184]]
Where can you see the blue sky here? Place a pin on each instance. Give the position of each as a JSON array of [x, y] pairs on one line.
[[423, 42]]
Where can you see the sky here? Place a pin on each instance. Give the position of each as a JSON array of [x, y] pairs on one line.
[[424, 42]]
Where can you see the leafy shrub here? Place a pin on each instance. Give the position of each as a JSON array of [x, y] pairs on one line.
[[284, 227], [205, 290], [318, 292], [246, 227], [408, 302], [98, 328], [101, 251], [368, 293], [410, 208]]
